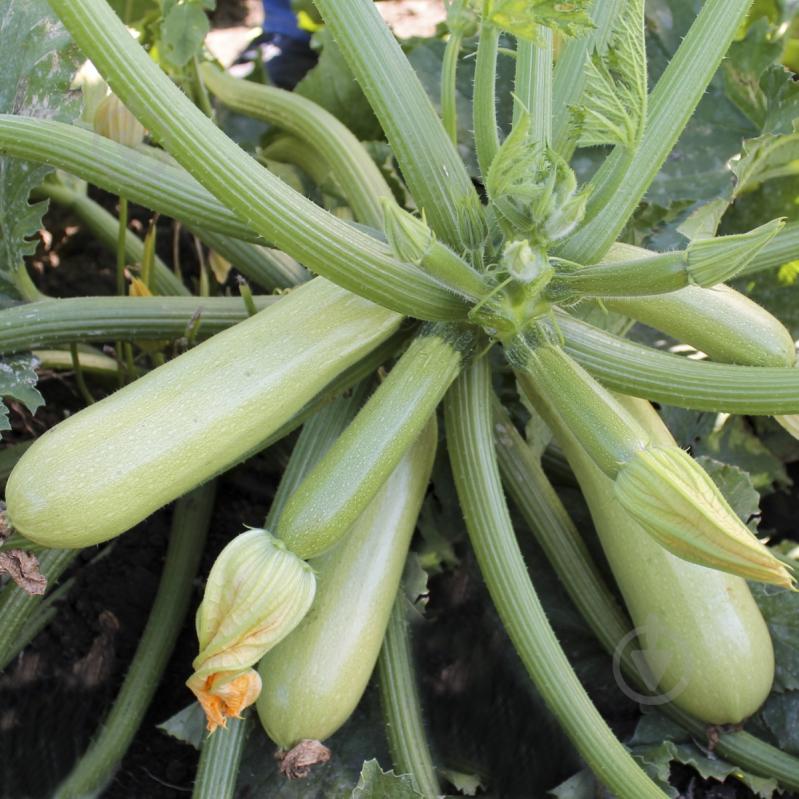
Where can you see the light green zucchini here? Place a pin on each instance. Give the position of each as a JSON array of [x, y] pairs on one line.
[[345, 480], [719, 321], [100, 472], [700, 630], [313, 680]]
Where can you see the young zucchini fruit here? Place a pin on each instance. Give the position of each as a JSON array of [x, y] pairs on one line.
[[702, 635], [719, 321], [315, 677], [100, 472], [345, 480]]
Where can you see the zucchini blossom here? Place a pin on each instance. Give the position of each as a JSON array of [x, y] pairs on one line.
[[672, 497], [257, 593]]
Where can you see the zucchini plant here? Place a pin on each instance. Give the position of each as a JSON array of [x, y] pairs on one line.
[[507, 269]]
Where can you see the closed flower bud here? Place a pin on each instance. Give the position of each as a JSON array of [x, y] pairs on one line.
[[716, 260], [675, 501], [525, 263], [113, 120], [93, 88], [257, 593]]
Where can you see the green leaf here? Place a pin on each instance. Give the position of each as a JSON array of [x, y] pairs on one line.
[[688, 427], [374, 783], [748, 60], [616, 88], [703, 222], [39, 61], [658, 743], [780, 715], [757, 83], [18, 381], [521, 17], [780, 609], [654, 226], [736, 486], [133, 12], [38, 64], [183, 32], [581, 786], [737, 445], [765, 158], [187, 725], [331, 84], [709, 767]]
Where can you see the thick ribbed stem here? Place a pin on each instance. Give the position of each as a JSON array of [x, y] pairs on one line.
[[554, 530], [402, 708], [556, 384], [540, 107], [449, 75], [295, 224], [138, 175], [470, 440], [56, 322], [641, 371], [357, 174], [429, 161], [484, 103], [220, 758]]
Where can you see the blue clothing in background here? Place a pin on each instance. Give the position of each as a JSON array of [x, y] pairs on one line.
[[279, 18]]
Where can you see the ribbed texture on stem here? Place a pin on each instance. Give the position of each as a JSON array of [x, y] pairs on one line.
[[429, 161], [140, 177], [357, 174], [642, 371], [469, 435], [220, 758], [295, 224], [484, 103], [402, 709], [49, 323]]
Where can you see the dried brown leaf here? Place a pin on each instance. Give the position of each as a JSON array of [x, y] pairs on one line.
[[298, 762], [23, 568]]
